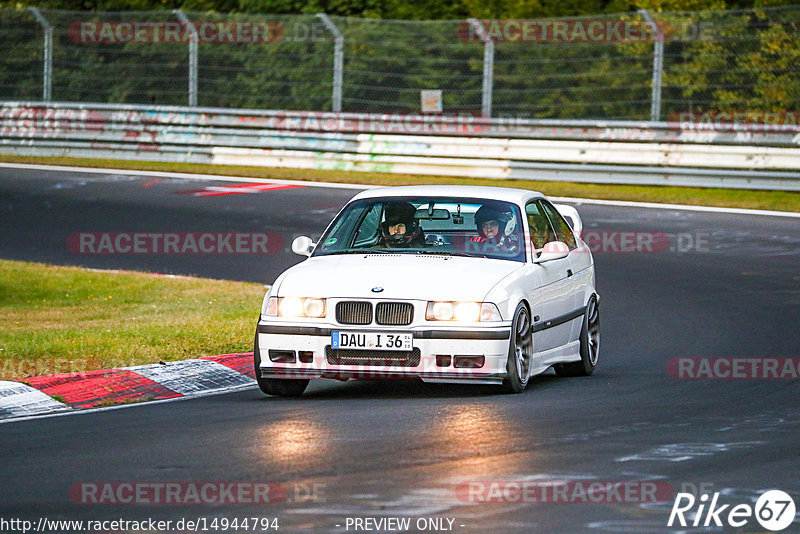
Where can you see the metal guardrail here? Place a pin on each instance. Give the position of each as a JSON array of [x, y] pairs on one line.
[[646, 153]]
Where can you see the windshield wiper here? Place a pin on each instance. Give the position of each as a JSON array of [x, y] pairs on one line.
[[399, 251], [359, 251], [445, 253]]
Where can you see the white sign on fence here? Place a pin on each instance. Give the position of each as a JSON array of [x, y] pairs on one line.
[[431, 100]]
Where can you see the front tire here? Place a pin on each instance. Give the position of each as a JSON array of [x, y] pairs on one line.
[[520, 352], [590, 344], [292, 387]]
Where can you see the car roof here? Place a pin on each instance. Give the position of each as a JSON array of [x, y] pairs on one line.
[[520, 196]]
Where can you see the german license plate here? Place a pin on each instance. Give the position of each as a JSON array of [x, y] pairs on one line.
[[371, 340]]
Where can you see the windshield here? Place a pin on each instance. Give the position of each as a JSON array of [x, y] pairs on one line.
[[427, 225]]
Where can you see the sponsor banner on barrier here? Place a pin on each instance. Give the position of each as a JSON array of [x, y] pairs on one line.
[[700, 127], [732, 121]]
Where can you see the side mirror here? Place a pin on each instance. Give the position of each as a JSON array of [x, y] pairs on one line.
[[302, 245], [554, 250]]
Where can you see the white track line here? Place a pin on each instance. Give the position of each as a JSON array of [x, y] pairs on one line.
[[163, 174], [185, 175], [708, 209]]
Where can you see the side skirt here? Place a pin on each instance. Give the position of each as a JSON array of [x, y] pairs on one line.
[[571, 352]]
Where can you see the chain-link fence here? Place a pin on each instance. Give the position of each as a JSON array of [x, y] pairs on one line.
[[604, 67]]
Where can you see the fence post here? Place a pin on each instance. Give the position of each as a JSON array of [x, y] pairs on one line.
[[488, 67], [338, 60], [658, 67], [192, 55], [47, 91]]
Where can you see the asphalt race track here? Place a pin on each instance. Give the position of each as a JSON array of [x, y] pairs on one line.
[[725, 286]]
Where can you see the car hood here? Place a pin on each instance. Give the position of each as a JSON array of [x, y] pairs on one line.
[[402, 276]]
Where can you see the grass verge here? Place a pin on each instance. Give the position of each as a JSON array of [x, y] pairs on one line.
[[67, 319], [698, 196]]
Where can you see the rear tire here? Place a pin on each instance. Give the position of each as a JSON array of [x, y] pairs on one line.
[[290, 387], [590, 344], [520, 352]]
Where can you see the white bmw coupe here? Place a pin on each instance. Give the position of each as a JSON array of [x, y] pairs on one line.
[[450, 284]]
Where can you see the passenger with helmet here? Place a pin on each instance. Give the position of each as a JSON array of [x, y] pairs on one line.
[[400, 228], [491, 221]]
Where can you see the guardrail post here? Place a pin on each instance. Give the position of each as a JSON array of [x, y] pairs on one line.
[[488, 68], [192, 55], [658, 67], [338, 60], [47, 91]]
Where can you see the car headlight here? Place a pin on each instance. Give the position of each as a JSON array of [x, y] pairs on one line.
[[295, 307], [462, 311]]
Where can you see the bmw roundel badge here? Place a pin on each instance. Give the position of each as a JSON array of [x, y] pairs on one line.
[[377, 289]]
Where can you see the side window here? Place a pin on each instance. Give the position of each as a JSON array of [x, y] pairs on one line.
[[541, 231], [340, 235], [367, 233], [563, 231]]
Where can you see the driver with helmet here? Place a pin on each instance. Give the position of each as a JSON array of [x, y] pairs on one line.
[[491, 222], [400, 229]]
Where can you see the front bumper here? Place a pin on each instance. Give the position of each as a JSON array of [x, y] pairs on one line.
[[445, 355]]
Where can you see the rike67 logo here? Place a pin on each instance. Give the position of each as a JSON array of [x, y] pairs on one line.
[[774, 510]]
